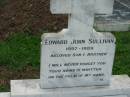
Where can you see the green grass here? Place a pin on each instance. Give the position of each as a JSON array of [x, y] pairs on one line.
[[3, 2], [4, 88], [122, 59], [20, 50]]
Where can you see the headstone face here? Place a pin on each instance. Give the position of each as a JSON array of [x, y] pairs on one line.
[[77, 56]]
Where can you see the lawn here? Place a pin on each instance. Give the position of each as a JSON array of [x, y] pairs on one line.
[[19, 50], [122, 59], [20, 57]]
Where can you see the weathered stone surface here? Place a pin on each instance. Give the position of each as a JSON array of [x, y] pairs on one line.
[[77, 56], [65, 6], [6, 94], [120, 21], [77, 60], [120, 85], [113, 23]]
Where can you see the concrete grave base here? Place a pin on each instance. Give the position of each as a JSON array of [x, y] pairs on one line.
[[6, 94], [120, 87]]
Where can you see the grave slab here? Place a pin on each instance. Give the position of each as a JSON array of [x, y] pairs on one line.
[[120, 87], [5, 94]]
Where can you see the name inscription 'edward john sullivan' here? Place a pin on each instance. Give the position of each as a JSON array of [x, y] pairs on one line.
[[90, 41]]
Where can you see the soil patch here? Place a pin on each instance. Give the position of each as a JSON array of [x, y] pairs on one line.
[[26, 73], [29, 16]]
